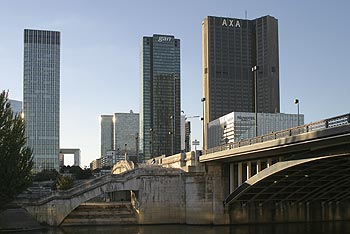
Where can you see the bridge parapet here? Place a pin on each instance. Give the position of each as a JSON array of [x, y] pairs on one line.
[[315, 126], [181, 161]]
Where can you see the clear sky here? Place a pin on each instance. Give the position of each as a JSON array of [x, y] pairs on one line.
[[101, 46]]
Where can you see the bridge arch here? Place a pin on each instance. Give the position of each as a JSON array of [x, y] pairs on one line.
[[303, 190], [55, 208], [323, 179]]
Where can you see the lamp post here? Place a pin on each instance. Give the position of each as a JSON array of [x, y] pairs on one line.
[[172, 133], [151, 142], [296, 102], [255, 70], [225, 134], [203, 100], [126, 153]]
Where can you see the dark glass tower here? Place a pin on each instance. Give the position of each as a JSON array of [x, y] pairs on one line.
[[160, 96], [231, 47], [41, 96]]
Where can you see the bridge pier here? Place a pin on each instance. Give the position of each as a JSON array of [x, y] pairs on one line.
[[217, 175]]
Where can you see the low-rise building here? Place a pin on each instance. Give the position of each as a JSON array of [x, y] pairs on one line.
[[237, 126]]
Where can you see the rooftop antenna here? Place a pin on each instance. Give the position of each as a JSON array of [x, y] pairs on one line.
[[246, 14]]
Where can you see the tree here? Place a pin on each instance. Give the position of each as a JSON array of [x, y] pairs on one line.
[[15, 158], [64, 182], [46, 175]]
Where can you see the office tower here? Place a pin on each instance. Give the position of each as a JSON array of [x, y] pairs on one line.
[[41, 96], [187, 136], [160, 96], [107, 133], [231, 47], [126, 136], [119, 138]]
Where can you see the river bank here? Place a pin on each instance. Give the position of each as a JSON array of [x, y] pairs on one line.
[[18, 219]]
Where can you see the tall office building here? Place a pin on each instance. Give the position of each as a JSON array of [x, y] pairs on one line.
[[107, 133], [231, 47], [119, 137], [41, 96], [187, 136], [160, 96], [126, 138]]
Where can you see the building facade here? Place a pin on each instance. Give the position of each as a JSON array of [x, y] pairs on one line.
[[96, 164], [16, 106], [237, 126], [107, 133], [160, 96], [41, 96], [231, 47], [126, 136], [119, 137], [187, 136]]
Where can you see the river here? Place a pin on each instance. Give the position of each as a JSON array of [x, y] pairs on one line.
[[294, 228]]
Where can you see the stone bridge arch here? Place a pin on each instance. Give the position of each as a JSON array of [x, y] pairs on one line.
[[55, 208]]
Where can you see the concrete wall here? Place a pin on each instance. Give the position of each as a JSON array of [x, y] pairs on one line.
[[162, 200]]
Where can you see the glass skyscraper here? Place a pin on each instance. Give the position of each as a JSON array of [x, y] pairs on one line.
[[231, 47], [107, 133], [41, 96], [119, 136], [126, 137], [160, 96]]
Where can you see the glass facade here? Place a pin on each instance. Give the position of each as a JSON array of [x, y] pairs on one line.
[[126, 140], [160, 96], [119, 135], [41, 96], [107, 133], [231, 47]]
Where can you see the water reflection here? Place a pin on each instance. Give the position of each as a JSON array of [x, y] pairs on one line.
[[297, 228]]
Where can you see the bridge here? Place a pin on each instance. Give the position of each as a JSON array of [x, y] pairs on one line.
[[143, 183], [298, 174]]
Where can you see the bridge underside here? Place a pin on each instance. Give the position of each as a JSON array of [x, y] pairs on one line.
[[303, 190], [323, 179]]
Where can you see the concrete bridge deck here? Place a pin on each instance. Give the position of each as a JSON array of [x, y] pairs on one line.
[[322, 134]]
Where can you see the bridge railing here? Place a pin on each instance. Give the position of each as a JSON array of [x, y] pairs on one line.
[[315, 126]]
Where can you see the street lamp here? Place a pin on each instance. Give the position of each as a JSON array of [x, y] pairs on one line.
[[172, 120], [255, 70], [225, 134], [126, 153], [151, 142], [203, 100], [171, 135], [296, 102]]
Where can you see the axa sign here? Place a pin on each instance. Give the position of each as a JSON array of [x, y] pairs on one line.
[[231, 23]]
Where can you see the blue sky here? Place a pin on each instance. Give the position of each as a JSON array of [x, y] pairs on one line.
[[101, 45]]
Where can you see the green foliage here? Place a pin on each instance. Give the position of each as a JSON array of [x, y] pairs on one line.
[[46, 175], [64, 182], [15, 158]]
